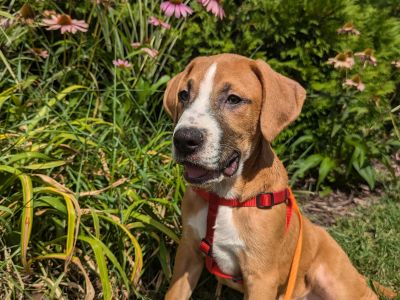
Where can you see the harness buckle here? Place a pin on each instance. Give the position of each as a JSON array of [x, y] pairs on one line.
[[260, 205]]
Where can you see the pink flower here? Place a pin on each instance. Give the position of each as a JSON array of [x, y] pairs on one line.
[[158, 22], [214, 6], [151, 52], [396, 64], [5, 23], [348, 28], [49, 13], [122, 64], [40, 52], [176, 7], [343, 60], [136, 45], [66, 24], [355, 82], [366, 57]]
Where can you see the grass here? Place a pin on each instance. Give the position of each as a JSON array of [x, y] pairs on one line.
[[372, 241]]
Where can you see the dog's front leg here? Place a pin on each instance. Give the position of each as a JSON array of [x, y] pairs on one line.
[[187, 269], [261, 286]]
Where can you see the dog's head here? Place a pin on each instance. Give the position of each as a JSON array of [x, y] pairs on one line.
[[222, 106]]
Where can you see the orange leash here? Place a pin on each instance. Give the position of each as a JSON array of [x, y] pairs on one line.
[[297, 253]]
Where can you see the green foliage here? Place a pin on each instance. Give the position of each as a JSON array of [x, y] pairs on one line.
[[85, 172]]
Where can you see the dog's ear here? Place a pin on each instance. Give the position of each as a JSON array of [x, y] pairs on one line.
[[283, 99], [171, 96]]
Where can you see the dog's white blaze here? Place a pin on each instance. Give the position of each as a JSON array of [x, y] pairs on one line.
[[199, 115], [227, 242], [198, 222]]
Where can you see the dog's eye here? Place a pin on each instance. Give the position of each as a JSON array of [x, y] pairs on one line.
[[183, 96], [233, 100]]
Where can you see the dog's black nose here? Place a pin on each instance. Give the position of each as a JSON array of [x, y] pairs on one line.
[[188, 139]]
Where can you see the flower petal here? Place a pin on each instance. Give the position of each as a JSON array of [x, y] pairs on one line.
[[169, 11]]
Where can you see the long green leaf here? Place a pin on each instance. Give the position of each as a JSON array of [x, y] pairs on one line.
[[51, 201], [27, 217], [8, 67], [25, 155], [138, 263], [150, 221], [327, 165], [310, 162], [98, 249], [367, 173], [74, 213], [9, 169], [48, 165]]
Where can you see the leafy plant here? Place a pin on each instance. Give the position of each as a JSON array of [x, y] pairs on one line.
[[85, 179]]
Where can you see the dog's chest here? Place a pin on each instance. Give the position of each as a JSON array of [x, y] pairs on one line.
[[227, 243]]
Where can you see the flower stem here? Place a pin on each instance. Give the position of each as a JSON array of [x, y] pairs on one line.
[[65, 51]]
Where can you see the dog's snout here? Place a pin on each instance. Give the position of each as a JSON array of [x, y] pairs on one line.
[[187, 140]]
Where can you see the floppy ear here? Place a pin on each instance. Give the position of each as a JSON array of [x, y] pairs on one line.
[[171, 96], [282, 100]]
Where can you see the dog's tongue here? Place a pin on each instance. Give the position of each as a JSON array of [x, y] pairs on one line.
[[231, 169], [194, 171]]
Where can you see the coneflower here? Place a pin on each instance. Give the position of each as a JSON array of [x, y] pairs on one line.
[[177, 8]]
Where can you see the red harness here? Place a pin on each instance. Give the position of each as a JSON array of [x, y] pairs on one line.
[[262, 201]]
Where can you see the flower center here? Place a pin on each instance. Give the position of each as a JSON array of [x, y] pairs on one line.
[[27, 11], [348, 26], [175, 1], [368, 52], [356, 79], [341, 57], [64, 20]]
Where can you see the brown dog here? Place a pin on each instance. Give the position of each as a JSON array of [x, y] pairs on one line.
[[227, 110]]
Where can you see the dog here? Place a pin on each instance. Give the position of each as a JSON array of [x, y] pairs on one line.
[[227, 110]]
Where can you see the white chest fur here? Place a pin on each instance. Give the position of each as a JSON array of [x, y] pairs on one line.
[[198, 222], [227, 242]]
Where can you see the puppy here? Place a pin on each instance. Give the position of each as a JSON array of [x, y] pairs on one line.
[[227, 110]]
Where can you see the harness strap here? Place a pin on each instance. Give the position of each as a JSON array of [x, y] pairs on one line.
[[262, 201], [297, 252]]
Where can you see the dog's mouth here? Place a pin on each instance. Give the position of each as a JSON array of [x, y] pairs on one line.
[[197, 174]]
